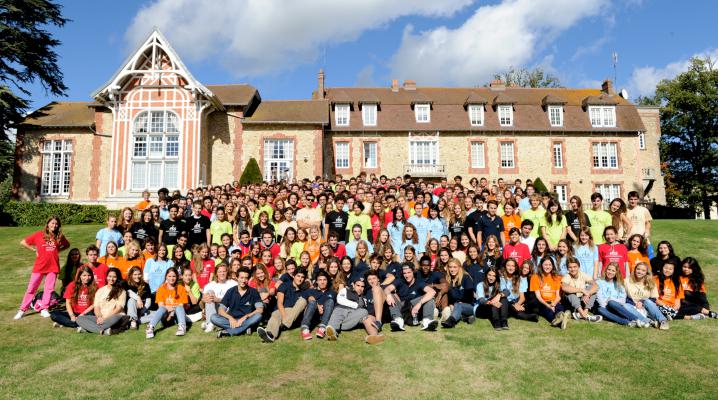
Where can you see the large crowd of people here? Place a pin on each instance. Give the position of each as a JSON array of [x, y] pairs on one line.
[[330, 256]]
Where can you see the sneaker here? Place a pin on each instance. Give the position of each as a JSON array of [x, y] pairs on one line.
[[449, 323], [222, 334], [496, 325], [331, 333], [249, 332], [44, 313], [266, 337], [321, 332], [107, 332], [470, 319], [713, 314], [81, 329], [374, 339], [20, 314], [209, 327], [644, 324], [664, 326], [633, 324], [56, 325], [655, 324], [594, 318], [557, 319], [429, 324], [378, 325], [181, 330], [698, 316], [576, 315], [397, 325], [305, 334], [564, 319], [133, 325], [149, 332], [445, 313], [204, 325], [505, 325]]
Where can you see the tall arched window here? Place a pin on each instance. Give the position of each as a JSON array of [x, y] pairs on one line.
[[155, 150]]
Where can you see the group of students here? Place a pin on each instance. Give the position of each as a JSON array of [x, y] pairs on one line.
[[345, 254]]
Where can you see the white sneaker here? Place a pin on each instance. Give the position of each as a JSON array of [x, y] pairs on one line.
[[149, 332], [429, 324], [19, 315], [209, 327], [45, 314], [204, 325], [56, 325], [81, 329], [398, 324]]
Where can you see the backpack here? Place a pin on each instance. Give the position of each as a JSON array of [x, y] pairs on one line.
[[36, 303]]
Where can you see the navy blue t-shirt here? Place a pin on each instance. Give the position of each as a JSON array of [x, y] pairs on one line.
[[394, 268], [432, 278], [319, 296], [239, 305], [291, 295], [407, 292], [464, 292], [357, 272], [476, 272], [489, 227]]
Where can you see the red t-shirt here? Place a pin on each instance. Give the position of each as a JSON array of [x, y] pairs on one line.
[[518, 252], [273, 248], [48, 252], [207, 270], [99, 271], [340, 251], [376, 225], [613, 253], [83, 298]]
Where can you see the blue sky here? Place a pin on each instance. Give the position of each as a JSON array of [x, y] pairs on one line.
[[279, 45]]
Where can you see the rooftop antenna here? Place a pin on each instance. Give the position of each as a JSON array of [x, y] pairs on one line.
[[614, 58]]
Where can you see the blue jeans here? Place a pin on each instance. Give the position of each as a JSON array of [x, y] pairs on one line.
[[617, 312], [223, 323], [652, 310], [548, 313], [462, 310], [312, 309], [179, 316]]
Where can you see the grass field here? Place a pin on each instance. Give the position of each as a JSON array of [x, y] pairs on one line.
[[530, 361]]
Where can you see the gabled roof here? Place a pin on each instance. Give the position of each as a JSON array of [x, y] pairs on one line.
[[503, 98], [235, 94], [290, 112], [130, 66], [474, 98], [63, 114], [552, 99], [604, 99]]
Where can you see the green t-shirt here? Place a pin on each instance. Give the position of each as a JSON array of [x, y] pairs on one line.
[[361, 219], [599, 220], [535, 216], [553, 230], [296, 251], [217, 229]]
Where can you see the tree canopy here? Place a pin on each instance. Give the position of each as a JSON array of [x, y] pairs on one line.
[[523, 77]]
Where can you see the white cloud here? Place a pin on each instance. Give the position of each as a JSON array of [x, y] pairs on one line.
[[494, 38], [253, 37], [365, 77], [644, 79]]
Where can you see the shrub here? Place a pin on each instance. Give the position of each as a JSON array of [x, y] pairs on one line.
[[539, 186], [251, 173], [26, 213]]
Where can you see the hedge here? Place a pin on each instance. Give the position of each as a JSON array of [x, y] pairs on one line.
[[26, 213], [251, 173]]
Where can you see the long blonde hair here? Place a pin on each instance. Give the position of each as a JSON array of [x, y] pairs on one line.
[[647, 281], [455, 281]]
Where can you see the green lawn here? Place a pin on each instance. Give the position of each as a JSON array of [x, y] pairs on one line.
[[529, 361]]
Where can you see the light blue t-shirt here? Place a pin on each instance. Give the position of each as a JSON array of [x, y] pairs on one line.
[[587, 257], [422, 230], [507, 285], [351, 248], [106, 235], [154, 272], [437, 228], [395, 230]]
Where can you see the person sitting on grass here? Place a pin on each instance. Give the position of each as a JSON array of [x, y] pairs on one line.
[[138, 297], [516, 285], [492, 302], [670, 290], [374, 296], [641, 290], [241, 308], [611, 298], [460, 295], [213, 293], [320, 303], [350, 312], [579, 291], [290, 305], [79, 296], [108, 306], [406, 297], [171, 298], [695, 303], [546, 285]]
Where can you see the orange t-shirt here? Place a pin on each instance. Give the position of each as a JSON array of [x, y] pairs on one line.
[[141, 206], [312, 247], [634, 258], [513, 221], [170, 297], [685, 287], [548, 288], [112, 262], [147, 255], [126, 264], [670, 294]]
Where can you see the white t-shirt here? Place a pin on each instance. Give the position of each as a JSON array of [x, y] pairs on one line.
[[220, 289], [638, 216]]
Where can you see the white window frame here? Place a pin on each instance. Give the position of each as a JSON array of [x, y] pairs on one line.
[[605, 155], [506, 149], [478, 155], [561, 191], [369, 154], [476, 114], [341, 155], [557, 153], [642, 140], [342, 114], [56, 167], [422, 113], [155, 150], [555, 115], [278, 160], [506, 114], [602, 116], [369, 114], [609, 191]]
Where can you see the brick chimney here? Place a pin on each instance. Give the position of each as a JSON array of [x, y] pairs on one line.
[[394, 85], [320, 89], [409, 85], [497, 84], [607, 87]]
